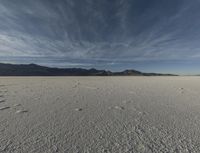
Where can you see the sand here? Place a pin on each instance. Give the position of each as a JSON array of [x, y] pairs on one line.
[[99, 114]]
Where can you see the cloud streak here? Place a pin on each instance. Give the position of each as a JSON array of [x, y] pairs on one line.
[[115, 30]]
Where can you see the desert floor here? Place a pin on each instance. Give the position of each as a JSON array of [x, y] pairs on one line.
[[99, 114]]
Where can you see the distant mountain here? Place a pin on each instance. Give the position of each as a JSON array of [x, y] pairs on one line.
[[37, 70]]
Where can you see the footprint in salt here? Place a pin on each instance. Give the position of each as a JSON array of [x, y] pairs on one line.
[[2, 100], [78, 109], [21, 111], [15, 105], [142, 113], [76, 85], [181, 90], [4, 107], [119, 107]]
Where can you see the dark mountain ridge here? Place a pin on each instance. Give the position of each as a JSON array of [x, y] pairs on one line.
[[37, 70]]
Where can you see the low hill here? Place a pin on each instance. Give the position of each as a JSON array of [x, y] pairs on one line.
[[37, 70]]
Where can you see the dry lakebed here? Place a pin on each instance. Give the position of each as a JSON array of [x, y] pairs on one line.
[[100, 114]]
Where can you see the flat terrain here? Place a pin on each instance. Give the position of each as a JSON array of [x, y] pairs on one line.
[[99, 114]]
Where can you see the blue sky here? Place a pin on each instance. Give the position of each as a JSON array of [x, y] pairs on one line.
[[148, 35]]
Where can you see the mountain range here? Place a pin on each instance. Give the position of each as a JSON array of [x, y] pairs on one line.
[[37, 70]]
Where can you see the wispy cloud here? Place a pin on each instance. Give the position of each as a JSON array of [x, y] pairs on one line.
[[116, 30]]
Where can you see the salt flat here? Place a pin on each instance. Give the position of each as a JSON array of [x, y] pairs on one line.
[[99, 114]]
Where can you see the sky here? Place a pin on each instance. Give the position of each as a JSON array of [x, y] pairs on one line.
[[147, 35]]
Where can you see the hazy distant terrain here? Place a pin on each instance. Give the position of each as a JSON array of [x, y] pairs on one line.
[[99, 114], [37, 70]]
